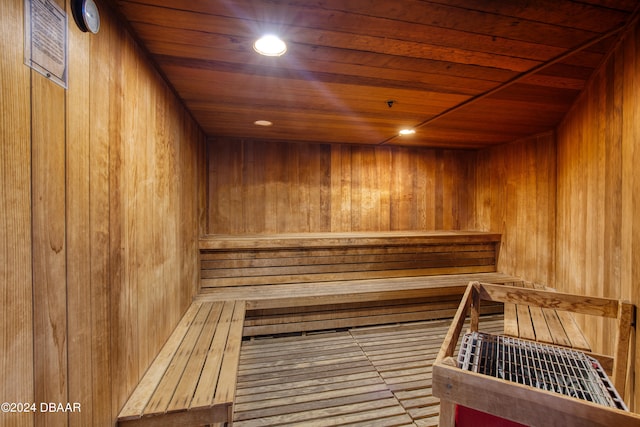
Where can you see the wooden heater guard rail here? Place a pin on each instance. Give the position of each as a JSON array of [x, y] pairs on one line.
[[520, 403]]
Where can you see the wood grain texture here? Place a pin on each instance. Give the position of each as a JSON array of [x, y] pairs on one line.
[[103, 201], [346, 60], [452, 384], [49, 245], [598, 240], [331, 257], [16, 270], [364, 376], [154, 210], [264, 187], [78, 184], [515, 195], [193, 379]]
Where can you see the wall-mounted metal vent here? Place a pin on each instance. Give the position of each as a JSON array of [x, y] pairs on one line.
[[542, 366]]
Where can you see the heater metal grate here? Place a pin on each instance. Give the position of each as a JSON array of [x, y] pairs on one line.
[[542, 366]]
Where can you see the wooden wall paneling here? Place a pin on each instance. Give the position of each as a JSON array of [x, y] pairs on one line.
[[167, 209], [49, 245], [630, 189], [464, 193], [79, 283], [144, 216], [376, 209], [596, 228], [203, 172], [582, 171], [597, 189], [347, 188], [310, 186], [102, 182], [99, 226], [177, 260], [613, 176], [403, 190], [197, 223], [367, 189], [424, 169], [438, 191], [321, 187], [481, 218], [184, 191], [290, 212], [162, 174], [324, 220], [545, 213], [340, 188], [384, 171], [513, 174], [356, 189], [216, 186], [137, 218], [271, 188], [155, 204], [529, 210], [515, 196], [48, 160], [16, 295], [306, 202], [450, 189], [286, 161], [244, 189], [129, 332], [253, 189], [453, 187], [123, 366]]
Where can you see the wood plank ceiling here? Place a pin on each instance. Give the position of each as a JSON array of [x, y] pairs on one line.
[[462, 73]]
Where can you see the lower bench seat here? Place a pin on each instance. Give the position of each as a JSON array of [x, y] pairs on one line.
[[192, 381], [287, 308]]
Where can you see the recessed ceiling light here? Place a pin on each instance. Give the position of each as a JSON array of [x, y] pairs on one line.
[[270, 45], [262, 123], [407, 132]]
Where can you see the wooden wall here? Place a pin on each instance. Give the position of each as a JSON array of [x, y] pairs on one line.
[[16, 272], [102, 196], [261, 187], [104, 188], [598, 228], [515, 195], [266, 187]]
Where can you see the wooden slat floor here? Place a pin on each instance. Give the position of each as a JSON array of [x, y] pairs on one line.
[[375, 376]]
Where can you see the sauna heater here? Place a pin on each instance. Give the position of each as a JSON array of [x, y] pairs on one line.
[[547, 367]]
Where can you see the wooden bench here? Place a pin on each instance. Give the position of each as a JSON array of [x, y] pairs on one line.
[[272, 284], [521, 403], [229, 261], [316, 281], [291, 308], [192, 381]]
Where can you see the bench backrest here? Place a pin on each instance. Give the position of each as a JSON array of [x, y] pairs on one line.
[[321, 257]]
